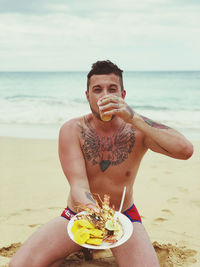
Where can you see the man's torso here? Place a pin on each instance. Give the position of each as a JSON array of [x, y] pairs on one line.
[[112, 158]]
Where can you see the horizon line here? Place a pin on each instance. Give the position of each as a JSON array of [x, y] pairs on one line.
[[169, 70]]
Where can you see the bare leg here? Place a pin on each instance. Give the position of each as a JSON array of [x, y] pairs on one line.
[[137, 251], [57, 263], [47, 247]]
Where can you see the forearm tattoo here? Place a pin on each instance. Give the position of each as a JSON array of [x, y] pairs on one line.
[[154, 124], [107, 151]]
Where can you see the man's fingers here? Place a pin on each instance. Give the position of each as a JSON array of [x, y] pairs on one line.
[[109, 99], [120, 110], [112, 112], [110, 106]]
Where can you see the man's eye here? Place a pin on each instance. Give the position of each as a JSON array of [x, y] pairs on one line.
[[112, 90], [97, 90]]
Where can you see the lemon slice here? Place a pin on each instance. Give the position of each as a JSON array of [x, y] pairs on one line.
[[111, 225]]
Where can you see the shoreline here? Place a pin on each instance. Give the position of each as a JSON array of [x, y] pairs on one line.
[[51, 131], [30, 131], [34, 190]]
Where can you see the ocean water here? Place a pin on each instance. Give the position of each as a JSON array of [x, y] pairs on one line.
[[36, 104]]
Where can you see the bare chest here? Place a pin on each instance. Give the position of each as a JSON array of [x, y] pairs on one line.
[[106, 151]]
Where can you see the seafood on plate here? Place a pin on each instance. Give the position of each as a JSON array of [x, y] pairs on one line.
[[97, 224]]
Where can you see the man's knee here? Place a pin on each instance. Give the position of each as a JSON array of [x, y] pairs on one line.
[[22, 260], [15, 262], [153, 262]]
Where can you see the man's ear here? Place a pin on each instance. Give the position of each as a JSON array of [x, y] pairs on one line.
[[87, 95], [123, 93]]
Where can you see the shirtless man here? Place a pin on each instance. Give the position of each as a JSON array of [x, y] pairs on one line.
[[103, 157]]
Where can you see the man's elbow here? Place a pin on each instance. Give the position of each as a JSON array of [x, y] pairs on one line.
[[186, 151]]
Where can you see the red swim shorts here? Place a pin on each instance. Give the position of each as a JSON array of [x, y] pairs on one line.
[[132, 213]]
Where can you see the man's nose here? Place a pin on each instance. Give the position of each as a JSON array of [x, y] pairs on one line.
[[105, 92]]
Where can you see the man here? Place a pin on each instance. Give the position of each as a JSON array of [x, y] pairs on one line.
[[102, 157]]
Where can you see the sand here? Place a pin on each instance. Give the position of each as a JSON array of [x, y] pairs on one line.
[[34, 190]]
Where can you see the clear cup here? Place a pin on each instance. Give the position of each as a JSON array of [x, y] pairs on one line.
[[103, 116]]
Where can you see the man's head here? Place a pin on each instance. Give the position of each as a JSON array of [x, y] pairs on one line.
[[105, 67], [104, 80]]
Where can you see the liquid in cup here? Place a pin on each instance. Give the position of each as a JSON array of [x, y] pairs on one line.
[[104, 117]]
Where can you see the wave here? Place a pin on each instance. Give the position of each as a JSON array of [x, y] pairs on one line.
[[38, 100], [58, 101], [165, 108], [41, 109], [149, 107], [22, 97]]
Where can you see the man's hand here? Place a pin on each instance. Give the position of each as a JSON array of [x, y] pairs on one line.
[[114, 105]]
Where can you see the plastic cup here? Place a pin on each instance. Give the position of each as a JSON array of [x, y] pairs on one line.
[[103, 116]]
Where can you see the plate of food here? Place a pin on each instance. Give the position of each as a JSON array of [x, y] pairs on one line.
[[102, 229]]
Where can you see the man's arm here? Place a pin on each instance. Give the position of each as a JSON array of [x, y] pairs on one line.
[[73, 163], [158, 137], [163, 139]]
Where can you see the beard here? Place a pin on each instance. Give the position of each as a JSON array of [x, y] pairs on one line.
[[96, 114]]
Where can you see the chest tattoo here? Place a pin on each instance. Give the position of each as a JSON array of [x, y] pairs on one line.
[[107, 150]]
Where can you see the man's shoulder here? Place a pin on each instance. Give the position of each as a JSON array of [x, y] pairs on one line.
[[69, 124], [71, 127]]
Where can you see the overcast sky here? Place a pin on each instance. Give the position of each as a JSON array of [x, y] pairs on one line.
[[72, 34]]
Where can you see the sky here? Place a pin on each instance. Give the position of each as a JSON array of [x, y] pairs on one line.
[[64, 35]]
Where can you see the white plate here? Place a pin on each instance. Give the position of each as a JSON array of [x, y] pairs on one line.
[[127, 229]]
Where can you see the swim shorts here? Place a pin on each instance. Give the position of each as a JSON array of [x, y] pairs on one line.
[[132, 213]]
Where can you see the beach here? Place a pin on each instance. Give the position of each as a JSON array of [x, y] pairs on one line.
[[34, 190], [148, 53]]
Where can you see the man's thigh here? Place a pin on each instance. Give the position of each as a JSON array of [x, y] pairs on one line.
[[47, 245], [137, 251]]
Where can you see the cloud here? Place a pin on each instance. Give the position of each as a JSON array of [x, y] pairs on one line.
[[36, 7], [66, 34], [21, 6], [88, 7]]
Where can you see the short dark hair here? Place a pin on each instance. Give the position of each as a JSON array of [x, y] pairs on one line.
[[105, 67]]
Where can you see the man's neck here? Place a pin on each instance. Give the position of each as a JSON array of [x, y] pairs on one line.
[[104, 127]]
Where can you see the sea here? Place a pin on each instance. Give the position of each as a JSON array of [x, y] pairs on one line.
[[36, 104]]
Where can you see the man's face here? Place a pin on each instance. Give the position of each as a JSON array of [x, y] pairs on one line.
[[103, 85]]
